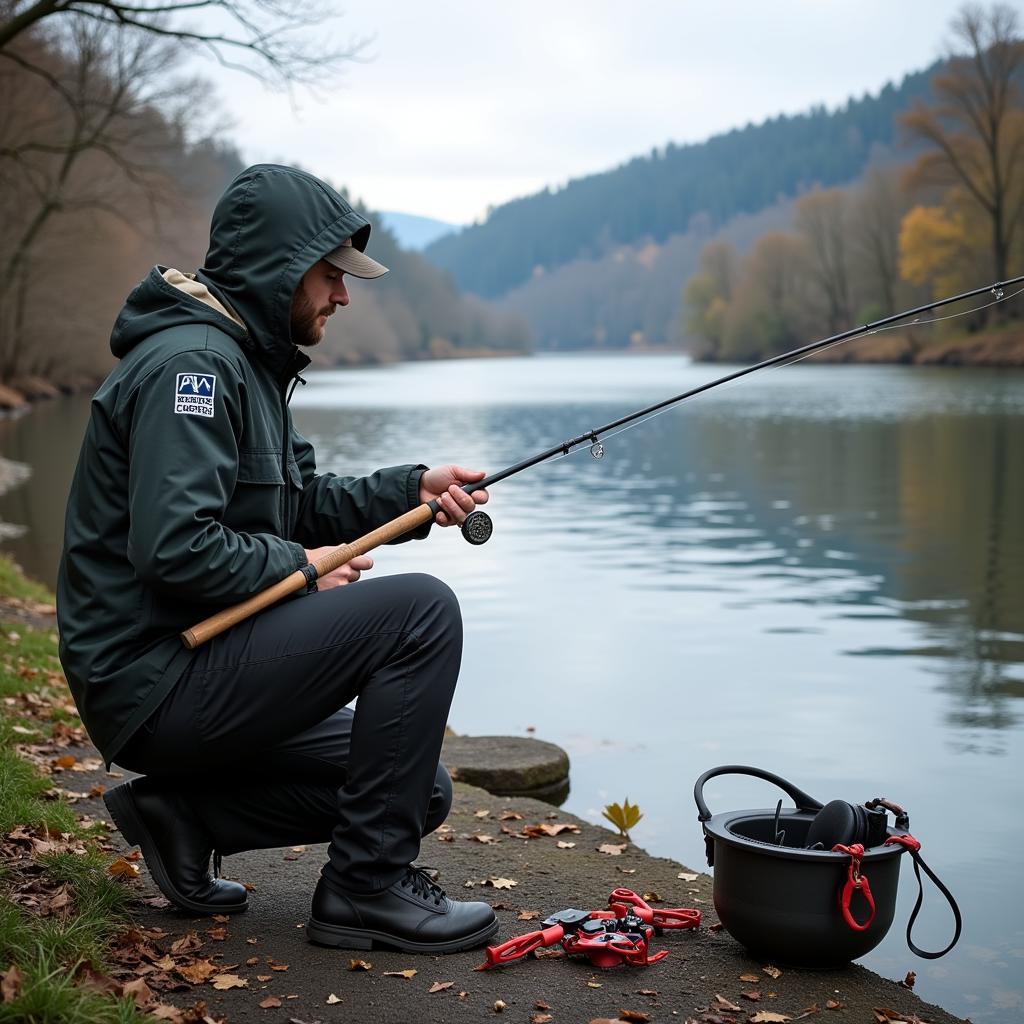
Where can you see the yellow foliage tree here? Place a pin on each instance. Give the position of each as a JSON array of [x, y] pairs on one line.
[[935, 249], [975, 126]]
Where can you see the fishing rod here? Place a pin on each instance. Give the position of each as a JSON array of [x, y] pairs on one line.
[[477, 528]]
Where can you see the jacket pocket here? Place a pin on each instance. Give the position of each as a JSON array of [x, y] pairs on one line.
[[259, 466]]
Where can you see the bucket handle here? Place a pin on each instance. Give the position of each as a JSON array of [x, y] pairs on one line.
[[800, 798]]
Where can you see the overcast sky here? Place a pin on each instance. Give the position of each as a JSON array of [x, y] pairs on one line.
[[463, 105]]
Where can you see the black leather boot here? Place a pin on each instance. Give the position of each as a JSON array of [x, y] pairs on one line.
[[175, 845], [413, 915]]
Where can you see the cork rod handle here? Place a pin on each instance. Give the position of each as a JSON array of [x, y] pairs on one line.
[[223, 620]]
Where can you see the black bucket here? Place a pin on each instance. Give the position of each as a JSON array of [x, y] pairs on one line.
[[783, 901]]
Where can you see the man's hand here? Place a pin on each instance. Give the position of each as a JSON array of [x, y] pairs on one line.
[[347, 573], [442, 483]]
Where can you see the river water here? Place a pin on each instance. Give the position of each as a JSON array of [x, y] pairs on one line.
[[818, 570]]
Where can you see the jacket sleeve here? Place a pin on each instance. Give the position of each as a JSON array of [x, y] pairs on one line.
[[181, 475], [337, 509]]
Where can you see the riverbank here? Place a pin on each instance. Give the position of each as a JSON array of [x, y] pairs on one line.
[[1002, 347], [114, 950]]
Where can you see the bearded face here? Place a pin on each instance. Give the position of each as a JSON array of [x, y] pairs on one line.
[[308, 320]]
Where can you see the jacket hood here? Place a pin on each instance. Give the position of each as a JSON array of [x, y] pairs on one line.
[[269, 227]]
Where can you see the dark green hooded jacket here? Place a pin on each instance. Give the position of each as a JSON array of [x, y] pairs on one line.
[[193, 490]]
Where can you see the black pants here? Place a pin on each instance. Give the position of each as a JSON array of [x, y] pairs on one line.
[[257, 735]]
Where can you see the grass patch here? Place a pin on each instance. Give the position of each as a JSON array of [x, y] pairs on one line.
[[14, 583], [49, 949]]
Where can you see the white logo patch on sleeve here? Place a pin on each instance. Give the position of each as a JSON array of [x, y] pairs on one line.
[[193, 394]]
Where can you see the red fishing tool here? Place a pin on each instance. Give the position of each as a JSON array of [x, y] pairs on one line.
[[607, 938]]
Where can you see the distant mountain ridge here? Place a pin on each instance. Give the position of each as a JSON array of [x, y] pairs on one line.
[[413, 231], [660, 195]]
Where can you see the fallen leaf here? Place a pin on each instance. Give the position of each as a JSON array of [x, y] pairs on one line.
[[221, 918], [332, 999], [10, 984], [197, 972], [187, 944], [646, 991], [753, 997], [499, 1006], [563, 845], [541, 1018], [833, 1004], [807, 1011], [222, 982], [541, 1005], [687, 876], [908, 981], [653, 897], [769, 1017], [593, 984], [276, 967], [721, 1003], [64, 762], [483, 813], [263, 977], [510, 816], [750, 977], [772, 972], [634, 1016], [612, 849], [501, 883], [218, 934], [440, 986], [483, 837], [359, 965], [164, 1011], [409, 972], [122, 869], [527, 915], [270, 1003]]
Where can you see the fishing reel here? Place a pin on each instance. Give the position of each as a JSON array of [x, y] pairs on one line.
[[477, 527]]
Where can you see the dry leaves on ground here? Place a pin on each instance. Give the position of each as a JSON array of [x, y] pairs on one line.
[[612, 849], [409, 972], [223, 982], [440, 986]]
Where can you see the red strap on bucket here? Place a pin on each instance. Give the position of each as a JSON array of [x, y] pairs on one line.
[[855, 882]]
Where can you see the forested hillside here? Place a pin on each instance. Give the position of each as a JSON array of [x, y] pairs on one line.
[[656, 196]]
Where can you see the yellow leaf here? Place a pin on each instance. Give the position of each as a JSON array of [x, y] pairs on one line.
[[359, 965], [623, 816], [409, 972]]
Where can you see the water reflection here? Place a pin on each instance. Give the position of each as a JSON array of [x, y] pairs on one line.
[[818, 570]]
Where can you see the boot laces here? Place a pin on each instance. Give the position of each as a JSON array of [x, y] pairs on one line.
[[419, 881]]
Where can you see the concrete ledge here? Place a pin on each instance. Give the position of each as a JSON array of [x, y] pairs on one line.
[[508, 765]]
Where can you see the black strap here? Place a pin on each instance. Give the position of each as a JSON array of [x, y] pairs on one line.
[[918, 864], [309, 571]]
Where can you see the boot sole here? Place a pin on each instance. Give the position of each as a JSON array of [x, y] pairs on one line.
[[324, 934], [126, 817]]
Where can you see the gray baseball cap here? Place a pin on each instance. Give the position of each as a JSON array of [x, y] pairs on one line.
[[348, 258]]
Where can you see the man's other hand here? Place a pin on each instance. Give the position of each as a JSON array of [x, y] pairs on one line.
[[347, 573], [443, 484]]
